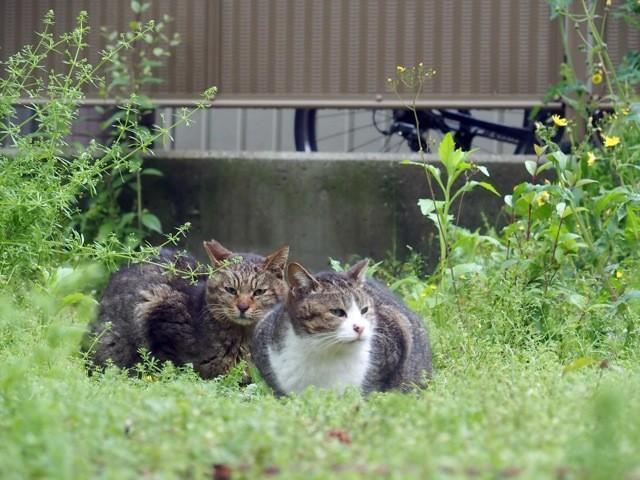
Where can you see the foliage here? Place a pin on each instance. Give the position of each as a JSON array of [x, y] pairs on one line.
[[534, 331], [42, 178], [117, 205], [580, 225], [455, 163], [498, 407], [573, 228]]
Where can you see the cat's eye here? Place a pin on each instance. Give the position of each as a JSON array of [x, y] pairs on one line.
[[231, 290], [258, 292], [338, 312], [364, 310]]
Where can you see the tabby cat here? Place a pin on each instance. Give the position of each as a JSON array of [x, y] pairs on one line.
[[338, 330], [207, 324]]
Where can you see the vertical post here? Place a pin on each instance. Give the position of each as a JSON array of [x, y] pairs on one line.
[[241, 130], [276, 143], [204, 129]]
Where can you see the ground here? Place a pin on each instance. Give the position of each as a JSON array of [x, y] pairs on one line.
[[492, 410]]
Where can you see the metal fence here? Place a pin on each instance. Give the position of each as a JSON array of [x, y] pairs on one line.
[[275, 53]]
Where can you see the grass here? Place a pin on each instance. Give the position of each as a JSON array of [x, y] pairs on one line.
[[493, 410], [536, 359]]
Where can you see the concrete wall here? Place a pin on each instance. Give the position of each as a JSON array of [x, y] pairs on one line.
[[322, 205]]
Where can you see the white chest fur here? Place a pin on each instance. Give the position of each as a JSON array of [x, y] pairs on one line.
[[306, 361]]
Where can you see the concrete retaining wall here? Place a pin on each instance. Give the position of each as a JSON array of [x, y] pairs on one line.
[[322, 205]]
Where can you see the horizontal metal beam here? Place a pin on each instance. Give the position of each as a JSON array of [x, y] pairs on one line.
[[223, 101]]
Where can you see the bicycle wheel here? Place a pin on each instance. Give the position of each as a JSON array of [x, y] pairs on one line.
[[357, 130], [402, 131]]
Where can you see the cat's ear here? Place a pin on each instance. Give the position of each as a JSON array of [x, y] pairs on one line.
[[277, 261], [299, 279], [357, 272], [216, 252]]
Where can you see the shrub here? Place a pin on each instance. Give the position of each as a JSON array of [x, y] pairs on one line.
[[42, 178]]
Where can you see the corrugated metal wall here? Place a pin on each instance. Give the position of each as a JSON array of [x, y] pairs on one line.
[[334, 48], [192, 68], [293, 52], [621, 38]]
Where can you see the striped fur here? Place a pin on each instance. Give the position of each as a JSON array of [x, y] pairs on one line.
[[338, 330], [207, 324]]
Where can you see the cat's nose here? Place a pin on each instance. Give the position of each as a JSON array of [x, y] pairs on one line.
[[243, 306], [359, 329]]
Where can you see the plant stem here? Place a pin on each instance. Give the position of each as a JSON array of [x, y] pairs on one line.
[[553, 256]]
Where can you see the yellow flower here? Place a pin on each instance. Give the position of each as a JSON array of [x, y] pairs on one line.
[[542, 198], [596, 78], [591, 159], [618, 274], [559, 121], [611, 141], [400, 69]]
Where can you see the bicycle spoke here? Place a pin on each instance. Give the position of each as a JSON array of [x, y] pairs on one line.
[[369, 142], [387, 140], [397, 146], [344, 132], [329, 115]]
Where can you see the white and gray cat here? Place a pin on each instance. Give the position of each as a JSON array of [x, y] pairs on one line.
[[338, 330]]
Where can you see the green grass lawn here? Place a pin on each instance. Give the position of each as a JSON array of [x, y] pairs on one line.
[[491, 411]]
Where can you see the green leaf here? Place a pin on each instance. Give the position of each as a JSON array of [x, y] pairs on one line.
[[508, 200], [579, 363], [152, 222], [449, 156], [78, 297], [135, 6], [561, 208], [612, 198], [629, 295], [561, 159], [530, 165], [126, 219], [446, 148], [433, 170], [483, 170], [585, 181], [543, 167], [465, 268], [427, 205], [485, 185], [105, 230], [577, 300], [152, 171], [336, 266]]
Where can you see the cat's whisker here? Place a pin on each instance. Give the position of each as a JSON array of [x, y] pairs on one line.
[[185, 321], [340, 330]]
